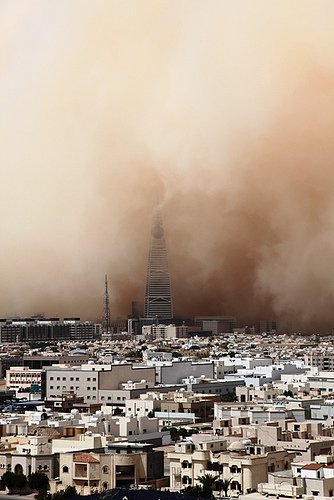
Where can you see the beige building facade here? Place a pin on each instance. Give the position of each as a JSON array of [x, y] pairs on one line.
[[122, 465]]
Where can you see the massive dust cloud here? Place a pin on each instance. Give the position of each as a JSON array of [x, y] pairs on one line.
[[222, 111]]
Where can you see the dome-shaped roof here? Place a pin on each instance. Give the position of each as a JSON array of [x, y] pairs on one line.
[[237, 446]]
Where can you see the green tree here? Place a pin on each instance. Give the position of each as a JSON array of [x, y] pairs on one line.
[[207, 481], [8, 480], [183, 432], [118, 411], [174, 434], [20, 481], [193, 491], [70, 492], [229, 397], [39, 481]]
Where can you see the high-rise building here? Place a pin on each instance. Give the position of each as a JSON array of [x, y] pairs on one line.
[[158, 292]]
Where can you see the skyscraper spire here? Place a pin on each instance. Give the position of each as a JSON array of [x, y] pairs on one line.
[[158, 292]]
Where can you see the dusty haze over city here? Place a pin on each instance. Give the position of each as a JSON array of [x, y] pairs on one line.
[[221, 110]]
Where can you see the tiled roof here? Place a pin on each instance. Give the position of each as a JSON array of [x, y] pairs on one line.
[[312, 466], [86, 458]]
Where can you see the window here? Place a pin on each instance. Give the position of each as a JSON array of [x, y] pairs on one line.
[[105, 469], [71, 378], [58, 378], [51, 386], [88, 380], [64, 387], [51, 378], [88, 388], [64, 378]]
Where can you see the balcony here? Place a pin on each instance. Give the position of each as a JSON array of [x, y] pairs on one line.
[[86, 471]]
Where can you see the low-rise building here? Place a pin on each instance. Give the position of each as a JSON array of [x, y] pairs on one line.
[[118, 465], [29, 454], [244, 466], [22, 377]]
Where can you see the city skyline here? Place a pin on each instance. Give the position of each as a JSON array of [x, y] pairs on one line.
[[223, 110]]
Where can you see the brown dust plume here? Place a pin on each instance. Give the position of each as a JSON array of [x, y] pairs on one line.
[[221, 110]]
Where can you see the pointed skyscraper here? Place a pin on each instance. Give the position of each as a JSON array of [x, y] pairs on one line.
[[158, 292]]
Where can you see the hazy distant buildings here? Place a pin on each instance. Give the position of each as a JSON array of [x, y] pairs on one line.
[[267, 326], [216, 324], [47, 329], [158, 292], [154, 332]]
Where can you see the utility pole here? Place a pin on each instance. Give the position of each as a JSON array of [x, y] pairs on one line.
[[106, 308]]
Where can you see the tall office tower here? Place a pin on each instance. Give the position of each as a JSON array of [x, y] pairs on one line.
[[158, 292]]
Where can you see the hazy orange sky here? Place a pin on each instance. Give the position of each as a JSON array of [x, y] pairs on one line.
[[222, 110]]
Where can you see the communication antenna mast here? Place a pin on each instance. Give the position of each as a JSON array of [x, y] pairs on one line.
[[106, 308]]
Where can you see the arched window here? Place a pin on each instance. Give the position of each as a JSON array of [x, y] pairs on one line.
[[65, 468], [18, 469], [105, 486], [105, 469]]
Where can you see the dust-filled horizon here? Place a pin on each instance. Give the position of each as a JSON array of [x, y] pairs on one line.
[[222, 110]]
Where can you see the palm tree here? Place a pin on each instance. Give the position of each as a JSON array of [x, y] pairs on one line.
[[225, 484], [207, 481]]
